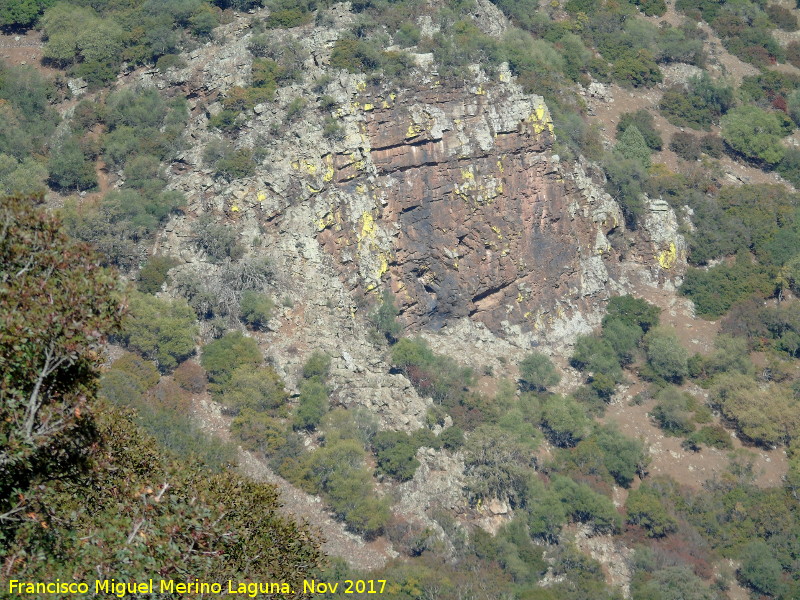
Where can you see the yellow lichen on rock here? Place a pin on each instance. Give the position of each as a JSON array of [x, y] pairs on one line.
[[262, 196], [668, 258], [414, 130], [368, 107], [540, 117]]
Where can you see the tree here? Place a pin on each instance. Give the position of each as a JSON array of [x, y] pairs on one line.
[[256, 309], [22, 13], [760, 570], [564, 420], [645, 509], [254, 389], [644, 122], [665, 354], [632, 145], [537, 372], [223, 356], [312, 405], [755, 133], [162, 330], [56, 307], [68, 167]]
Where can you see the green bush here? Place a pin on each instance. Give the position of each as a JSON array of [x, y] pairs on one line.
[[761, 571], [162, 330], [564, 421], [537, 372], [259, 432], [313, 405], [713, 436], [222, 357], [715, 290], [154, 273], [286, 18], [394, 452], [452, 438], [644, 508], [665, 355], [643, 121], [144, 372], [699, 105], [256, 309], [69, 167], [317, 366], [356, 56], [755, 133], [672, 412], [383, 318], [253, 389], [596, 355], [191, 377]]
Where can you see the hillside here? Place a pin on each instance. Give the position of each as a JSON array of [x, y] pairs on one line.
[[498, 297]]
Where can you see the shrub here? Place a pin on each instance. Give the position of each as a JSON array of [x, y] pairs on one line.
[[644, 508], [714, 291], [317, 366], [259, 432], [564, 421], [643, 121], [671, 412], [384, 318], [452, 438], [142, 371], [632, 146], [253, 389], [286, 18], [595, 354], [685, 145], [256, 309], [665, 355], [218, 240], [191, 377], [161, 330], [782, 17], [395, 452], [69, 168], [356, 56], [537, 372], [699, 105], [755, 133], [713, 436], [170, 61], [222, 357], [313, 404], [154, 273], [632, 311]]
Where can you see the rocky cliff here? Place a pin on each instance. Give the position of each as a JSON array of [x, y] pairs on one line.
[[449, 196]]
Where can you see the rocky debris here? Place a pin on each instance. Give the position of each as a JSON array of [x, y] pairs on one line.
[[612, 555], [680, 73]]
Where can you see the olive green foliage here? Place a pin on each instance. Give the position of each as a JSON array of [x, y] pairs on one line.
[[337, 471], [27, 177], [57, 305], [394, 451], [150, 505], [766, 415], [755, 133], [383, 319], [26, 118], [713, 436], [313, 401], [673, 583], [564, 421], [643, 121], [497, 466], [230, 163], [93, 42], [218, 240], [439, 377], [761, 571], [596, 355], [154, 273], [144, 372], [764, 326], [715, 290], [537, 372], [645, 508], [222, 357], [252, 389], [673, 411], [698, 105], [625, 180], [665, 355], [586, 506], [22, 13], [162, 330], [605, 454], [632, 146], [69, 168], [256, 309]]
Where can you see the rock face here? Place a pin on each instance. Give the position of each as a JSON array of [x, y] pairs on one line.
[[451, 197]]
